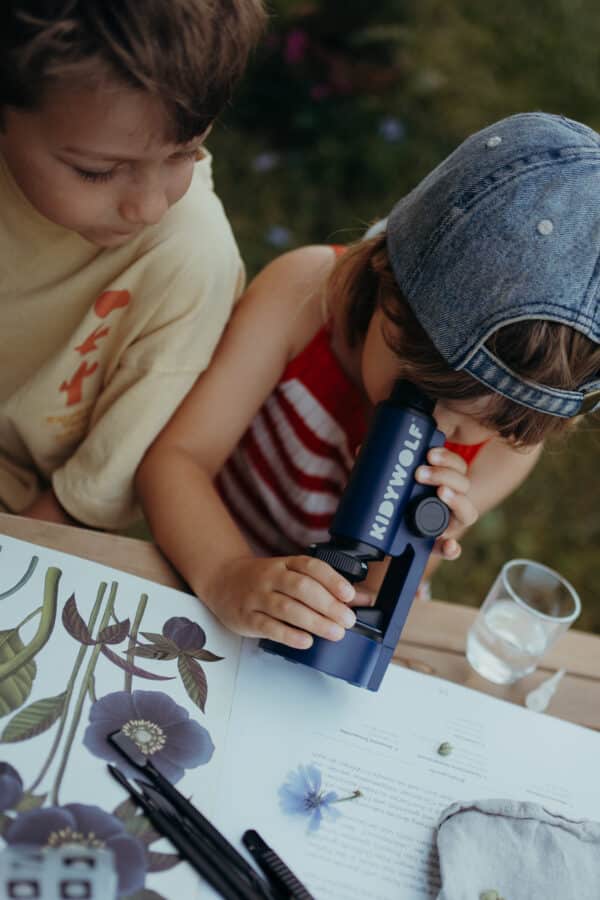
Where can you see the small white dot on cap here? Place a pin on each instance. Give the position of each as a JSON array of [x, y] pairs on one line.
[[545, 226], [494, 141]]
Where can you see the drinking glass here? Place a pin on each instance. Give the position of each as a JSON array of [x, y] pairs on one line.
[[527, 608]]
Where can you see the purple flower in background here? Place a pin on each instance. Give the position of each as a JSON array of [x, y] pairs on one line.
[[156, 724], [278, 236], [187, 635], [301, 795], [265, 161], [392, 130], [296, 46], [320, 92], [87, 826], [11, 786]]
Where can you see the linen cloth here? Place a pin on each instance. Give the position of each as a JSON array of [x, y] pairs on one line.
[[518, 849]]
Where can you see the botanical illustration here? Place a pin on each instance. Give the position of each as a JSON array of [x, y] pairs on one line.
[[34, 812]]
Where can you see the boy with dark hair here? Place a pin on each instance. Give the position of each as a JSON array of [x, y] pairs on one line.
[[119, 268]]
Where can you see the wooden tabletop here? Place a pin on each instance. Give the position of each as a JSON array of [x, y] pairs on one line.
[[433, 640]]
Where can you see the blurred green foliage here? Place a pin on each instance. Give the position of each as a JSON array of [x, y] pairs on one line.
[[345, 107]]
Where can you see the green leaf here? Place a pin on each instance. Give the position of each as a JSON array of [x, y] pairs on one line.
[[30, 801], [141, 827], [34, 719], [194, 680], [15, 688], [125, 810], [5, 821]]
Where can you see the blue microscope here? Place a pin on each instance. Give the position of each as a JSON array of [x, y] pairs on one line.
[[383, 512]]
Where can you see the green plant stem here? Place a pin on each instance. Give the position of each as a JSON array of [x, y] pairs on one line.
[[82, 695], [352, 796], [17, 587], [133, 638], [70, 685], [29, 617], [45, 626]]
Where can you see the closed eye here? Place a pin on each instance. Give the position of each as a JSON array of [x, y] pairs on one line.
[[94, 176]]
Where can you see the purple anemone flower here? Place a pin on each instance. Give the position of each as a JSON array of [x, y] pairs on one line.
[[160, 728], [186, 634], [11, 786], [301, 795], [87, 826]]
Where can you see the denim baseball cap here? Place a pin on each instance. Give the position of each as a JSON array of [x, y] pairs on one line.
[[507, 228]]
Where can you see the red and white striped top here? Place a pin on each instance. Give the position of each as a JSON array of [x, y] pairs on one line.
[[283, 482]]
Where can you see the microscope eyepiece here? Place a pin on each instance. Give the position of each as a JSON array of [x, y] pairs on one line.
[[406, 394]]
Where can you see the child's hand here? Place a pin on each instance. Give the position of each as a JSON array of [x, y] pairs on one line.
[[449, 471], [286, 599]]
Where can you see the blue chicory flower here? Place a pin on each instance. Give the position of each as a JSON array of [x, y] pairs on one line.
[[301, 794]]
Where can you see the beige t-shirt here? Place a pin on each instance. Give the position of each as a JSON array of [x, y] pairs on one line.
[[99, 346]]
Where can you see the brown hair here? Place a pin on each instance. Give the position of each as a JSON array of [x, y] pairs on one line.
[[547, 352], [188, 53]]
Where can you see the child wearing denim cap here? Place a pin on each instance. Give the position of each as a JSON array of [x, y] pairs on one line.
[[481, 288], [119, 268]]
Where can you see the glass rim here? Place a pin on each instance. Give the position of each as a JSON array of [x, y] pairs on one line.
[[531, 609]]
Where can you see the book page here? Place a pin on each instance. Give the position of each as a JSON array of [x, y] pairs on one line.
[[381, 845], [86, 650]]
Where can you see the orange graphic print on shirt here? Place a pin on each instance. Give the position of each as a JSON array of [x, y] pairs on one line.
[[74, 387], [110, 300], [90, 343]]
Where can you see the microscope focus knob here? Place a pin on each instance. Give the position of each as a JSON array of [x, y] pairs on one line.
[[428, 516], [351, 568]]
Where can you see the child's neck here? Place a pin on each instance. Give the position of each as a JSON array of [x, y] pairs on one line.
[[349, 357]]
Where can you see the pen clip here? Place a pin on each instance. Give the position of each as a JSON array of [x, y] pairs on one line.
[[281, 877]]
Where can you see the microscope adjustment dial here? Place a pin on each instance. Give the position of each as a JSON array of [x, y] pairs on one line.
[[428, 516]]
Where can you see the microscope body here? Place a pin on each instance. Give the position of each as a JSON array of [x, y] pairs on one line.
[[382, 512]]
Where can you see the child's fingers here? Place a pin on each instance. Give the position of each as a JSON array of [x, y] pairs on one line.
[[315, 598], [324, 574], [461, 507], [449, 548], [441, 456], [438, 475], [275, 630], [364, 597], [289, 611]]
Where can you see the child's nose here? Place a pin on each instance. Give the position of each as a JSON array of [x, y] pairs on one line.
[[144, 204]]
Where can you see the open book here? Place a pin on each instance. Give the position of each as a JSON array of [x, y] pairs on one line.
[[254, 740]]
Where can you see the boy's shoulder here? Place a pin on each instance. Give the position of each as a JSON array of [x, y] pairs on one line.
[[194, 233]]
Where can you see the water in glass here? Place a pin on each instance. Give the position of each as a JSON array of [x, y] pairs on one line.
[[505, 643]]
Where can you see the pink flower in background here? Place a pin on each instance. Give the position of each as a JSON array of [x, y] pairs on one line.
[[296, 46]]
